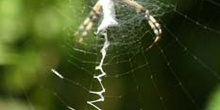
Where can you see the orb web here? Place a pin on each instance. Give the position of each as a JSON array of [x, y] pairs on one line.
[[178, 73]]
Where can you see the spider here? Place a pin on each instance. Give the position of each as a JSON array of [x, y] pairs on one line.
[[94, 14]]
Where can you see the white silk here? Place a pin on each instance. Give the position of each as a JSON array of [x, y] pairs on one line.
[[108, 15]]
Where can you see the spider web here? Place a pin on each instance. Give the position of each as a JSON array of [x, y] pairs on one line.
[[179, 73]]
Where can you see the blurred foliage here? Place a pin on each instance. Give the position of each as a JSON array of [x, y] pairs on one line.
[[214, 100], [32, 33]]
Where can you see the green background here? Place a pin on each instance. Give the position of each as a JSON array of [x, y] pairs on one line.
[[33, 39]]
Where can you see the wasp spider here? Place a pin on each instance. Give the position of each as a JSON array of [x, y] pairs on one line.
[[94, 14]]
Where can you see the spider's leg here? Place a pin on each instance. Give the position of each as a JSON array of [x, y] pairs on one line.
[[155, 26], [88, 22], [151, 20]]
